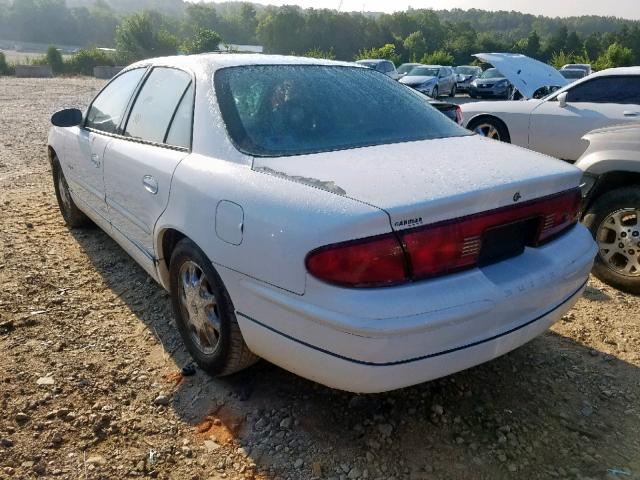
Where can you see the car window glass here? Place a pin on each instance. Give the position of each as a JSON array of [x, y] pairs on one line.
[[269, 110], [156, 103], [180, 130], [623, 90], [108, 108]]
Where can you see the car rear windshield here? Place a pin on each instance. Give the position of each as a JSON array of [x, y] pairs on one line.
[[491, 73], [278, 110]]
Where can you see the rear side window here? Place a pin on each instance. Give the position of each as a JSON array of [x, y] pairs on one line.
[[623, 90], [107, 110], [276, 110], [180, 129], [156, 104]]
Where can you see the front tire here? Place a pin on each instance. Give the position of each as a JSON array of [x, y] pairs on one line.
[[435, 92], [453, 91], [204, 313], [614, 222], [72, 215]]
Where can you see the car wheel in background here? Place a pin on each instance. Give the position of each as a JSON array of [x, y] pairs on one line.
[[204, 313], [73, 216], [453, 91], [614, 222], [434, 93], [491, 128]]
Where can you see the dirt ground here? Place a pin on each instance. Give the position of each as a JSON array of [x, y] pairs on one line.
[[91, 384]]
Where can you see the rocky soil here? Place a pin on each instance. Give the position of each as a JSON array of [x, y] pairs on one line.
[[91, 381]]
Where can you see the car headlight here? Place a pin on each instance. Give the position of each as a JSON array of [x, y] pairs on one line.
[[428, 84], [587, 183], [475, 83], [502, 83]]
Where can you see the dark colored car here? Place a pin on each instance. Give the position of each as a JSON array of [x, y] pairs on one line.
[[491, 83], [451, 110]]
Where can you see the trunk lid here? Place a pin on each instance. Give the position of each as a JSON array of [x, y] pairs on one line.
[[419, 183]]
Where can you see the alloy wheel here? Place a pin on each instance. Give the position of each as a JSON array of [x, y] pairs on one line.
[[488, 130], [618, 238], [199, 307]]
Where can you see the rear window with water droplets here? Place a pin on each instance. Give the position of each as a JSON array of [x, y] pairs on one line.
[[279, 110]]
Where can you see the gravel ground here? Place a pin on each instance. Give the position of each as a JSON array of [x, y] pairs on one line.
[[91, 382]]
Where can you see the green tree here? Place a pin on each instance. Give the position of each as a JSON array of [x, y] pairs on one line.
[[83, 61], [559, 59], [54, 59], [387, 52], [615, 56], [439, 57], [137, 37], [533, 45], [318, 53], [415, 45], [205, 40]]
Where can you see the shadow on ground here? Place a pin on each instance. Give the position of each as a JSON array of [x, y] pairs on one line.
[[551, 409]]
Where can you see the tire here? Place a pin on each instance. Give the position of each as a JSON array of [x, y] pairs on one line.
[[490, 127], [435, 92], [452, 93], [473, 95], [72, 215], [204, 313], [614, 222]]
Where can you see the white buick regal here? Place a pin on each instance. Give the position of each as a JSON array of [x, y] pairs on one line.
[[322, 216]]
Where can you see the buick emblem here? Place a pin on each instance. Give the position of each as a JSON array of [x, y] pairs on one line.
[[516, 196]]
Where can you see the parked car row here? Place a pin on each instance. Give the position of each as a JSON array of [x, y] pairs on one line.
[[346, 232]]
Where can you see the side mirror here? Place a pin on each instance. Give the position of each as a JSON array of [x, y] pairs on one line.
[[69, 117], [562, 100]]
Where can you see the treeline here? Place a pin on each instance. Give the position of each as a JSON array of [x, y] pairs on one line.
[[171, 26]]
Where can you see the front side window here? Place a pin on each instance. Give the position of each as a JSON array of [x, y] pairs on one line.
[[622, 90], [156, 104], [277, 110], [107, 110]]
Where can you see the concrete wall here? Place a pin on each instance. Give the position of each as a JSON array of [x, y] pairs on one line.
[[34, 71], [105, 72]]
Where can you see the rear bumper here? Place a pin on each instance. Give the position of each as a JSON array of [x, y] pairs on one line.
[[373, 340]]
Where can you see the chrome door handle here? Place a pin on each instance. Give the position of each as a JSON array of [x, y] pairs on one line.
[[629, 113], [150, 184], [95, 159]]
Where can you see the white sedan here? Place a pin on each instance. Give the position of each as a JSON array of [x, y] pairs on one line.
[[555, 125], [322, 216]]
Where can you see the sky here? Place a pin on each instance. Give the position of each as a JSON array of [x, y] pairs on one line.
[[550, 8]]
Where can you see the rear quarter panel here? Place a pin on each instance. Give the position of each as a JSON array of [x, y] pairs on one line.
[[283, 220], [514, 114]]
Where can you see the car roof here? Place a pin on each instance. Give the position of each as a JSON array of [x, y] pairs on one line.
[[207, 63], [378, 60], [616, 71]]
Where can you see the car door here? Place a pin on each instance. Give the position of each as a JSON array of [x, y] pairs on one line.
[[139, 164], [85, 146], [595, 103]]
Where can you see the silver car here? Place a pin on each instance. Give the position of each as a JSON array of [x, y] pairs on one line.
[[383, 66], [432, 80], [465, 74]]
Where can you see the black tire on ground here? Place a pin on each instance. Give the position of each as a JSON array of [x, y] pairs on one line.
[[72, 215], [453, 91], [602, 207], [435, 92], [500, 128], [231, 353]]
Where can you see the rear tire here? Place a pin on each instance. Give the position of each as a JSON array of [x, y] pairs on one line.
[[490, 127], [435, 92], [72, 215], [204, 313], [614, 222], [453, 91]]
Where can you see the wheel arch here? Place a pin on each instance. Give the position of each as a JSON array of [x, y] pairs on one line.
[[166, 241], [488, 116], [610, 181]]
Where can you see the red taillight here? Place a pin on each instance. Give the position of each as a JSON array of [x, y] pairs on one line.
[[439, 248], [371, 262]]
